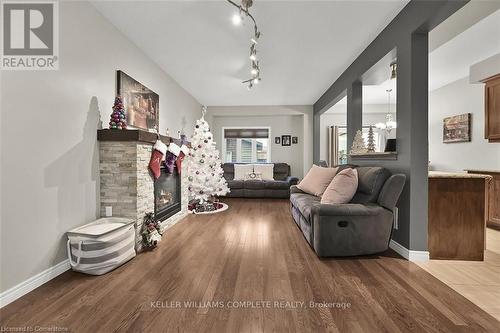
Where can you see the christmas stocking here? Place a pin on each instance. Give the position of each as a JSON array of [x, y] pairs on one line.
[[158, 154], [172, 153], [180, 158]]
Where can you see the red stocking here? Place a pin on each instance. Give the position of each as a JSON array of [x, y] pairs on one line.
[[157, 155]]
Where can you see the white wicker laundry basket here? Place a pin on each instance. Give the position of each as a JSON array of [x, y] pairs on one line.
[[101, 246]]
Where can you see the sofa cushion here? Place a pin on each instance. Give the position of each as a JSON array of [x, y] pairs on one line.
[[235, 184], [277, 185], [281, 171], [254, 184], [342, 188], [370, 182], [317, 180], [304, 203]]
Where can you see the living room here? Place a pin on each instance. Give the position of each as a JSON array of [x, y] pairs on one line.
[[237, 166]]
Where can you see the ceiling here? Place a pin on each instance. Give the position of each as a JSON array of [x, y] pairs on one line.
[[452, 60], [305, 45]]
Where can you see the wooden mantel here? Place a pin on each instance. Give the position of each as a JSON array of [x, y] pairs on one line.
[[133, 135]]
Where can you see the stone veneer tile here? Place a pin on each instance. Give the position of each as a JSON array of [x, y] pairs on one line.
[[127, 186]]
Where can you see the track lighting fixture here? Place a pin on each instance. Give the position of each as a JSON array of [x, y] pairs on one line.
[[238, 18]]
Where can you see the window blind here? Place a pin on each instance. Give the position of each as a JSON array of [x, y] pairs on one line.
[[246, 133]]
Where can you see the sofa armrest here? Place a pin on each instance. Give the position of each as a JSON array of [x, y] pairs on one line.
[[346, 210], [292, 180], [295, 189]]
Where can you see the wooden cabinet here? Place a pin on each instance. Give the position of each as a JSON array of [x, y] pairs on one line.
[[492, 109], [457, 216], [493, 216]]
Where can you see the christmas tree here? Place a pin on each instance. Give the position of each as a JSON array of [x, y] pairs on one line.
[[371, 140], [358, 145], [118, 119], [204, 171]]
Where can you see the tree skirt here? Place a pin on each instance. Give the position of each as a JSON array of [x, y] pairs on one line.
[[220, 207]]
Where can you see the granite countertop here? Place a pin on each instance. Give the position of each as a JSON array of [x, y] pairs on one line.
[[482, 170], [441, 174]]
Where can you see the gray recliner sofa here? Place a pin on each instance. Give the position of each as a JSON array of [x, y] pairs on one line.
[[361, 227], [277, 188]]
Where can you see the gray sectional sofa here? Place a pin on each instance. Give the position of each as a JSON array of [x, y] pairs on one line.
[[277, 188], [361, 227]]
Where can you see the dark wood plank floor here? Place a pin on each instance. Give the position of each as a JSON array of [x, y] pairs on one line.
[[255, 255]]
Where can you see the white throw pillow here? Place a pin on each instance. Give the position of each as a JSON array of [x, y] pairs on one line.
[[266, 170], [241, 170]]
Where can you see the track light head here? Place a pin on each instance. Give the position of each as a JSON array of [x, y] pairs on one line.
[[237, 19]]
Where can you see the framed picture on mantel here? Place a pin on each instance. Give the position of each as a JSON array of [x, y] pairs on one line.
[[457, 128], [141, 104]]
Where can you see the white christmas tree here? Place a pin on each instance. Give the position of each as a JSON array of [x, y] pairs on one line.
[[203, 165], [358, 144]]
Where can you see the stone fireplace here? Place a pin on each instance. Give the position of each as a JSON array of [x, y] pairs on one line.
[[126, 184]]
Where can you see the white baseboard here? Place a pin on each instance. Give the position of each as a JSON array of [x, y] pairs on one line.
[[410, 255], [33, 282]]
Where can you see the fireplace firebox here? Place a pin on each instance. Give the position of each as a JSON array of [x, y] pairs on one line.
[[167, 194]]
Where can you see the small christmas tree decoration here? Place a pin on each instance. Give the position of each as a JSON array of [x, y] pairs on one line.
[[204, 170], [371, 140], [358, 144], [118, 118]]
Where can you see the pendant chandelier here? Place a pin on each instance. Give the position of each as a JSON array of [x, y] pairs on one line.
[[238, 18], [389, 124]]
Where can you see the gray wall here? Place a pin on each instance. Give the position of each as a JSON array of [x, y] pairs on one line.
[[283, 120], [280, 125], [49, 164], [408, 32], [456, 98]]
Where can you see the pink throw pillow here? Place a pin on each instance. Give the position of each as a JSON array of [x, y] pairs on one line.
[[317, 180], [342, 188]]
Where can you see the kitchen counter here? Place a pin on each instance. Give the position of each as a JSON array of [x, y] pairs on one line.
[[482, 170], [442, 174]]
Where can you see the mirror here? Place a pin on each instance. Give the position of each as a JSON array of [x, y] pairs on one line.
[[379, 104]]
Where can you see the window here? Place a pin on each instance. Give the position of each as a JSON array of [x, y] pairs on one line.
[[246, 145]]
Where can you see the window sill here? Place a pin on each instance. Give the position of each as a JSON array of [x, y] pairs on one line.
[[375, 156]]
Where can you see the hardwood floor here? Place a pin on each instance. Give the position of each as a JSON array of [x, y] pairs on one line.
[[251, 253], [478, 281]]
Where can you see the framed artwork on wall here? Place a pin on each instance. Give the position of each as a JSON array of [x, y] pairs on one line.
[[295, 140], [286, 140], [141, 104], [457, 128], [277, 140]]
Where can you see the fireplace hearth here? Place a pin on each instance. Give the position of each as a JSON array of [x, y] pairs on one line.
[[167, 194]]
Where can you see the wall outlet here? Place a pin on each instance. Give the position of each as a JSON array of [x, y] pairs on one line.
[[109, 211], [396, 218]]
